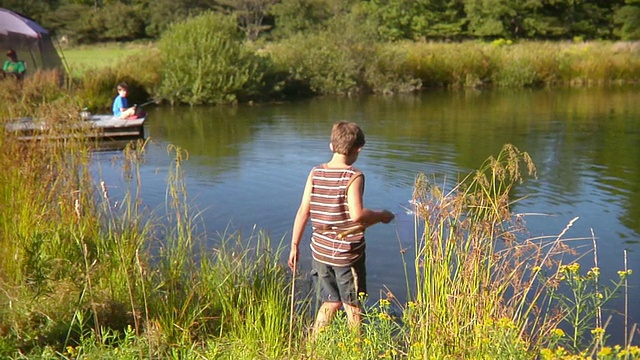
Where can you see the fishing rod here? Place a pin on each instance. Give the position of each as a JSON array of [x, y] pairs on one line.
[[359, 227], [152, 101]]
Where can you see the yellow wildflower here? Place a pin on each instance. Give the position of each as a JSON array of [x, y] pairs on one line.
[[557, 332], [625, 273], [574, 268], [605, 351], [546, 354], [71, 350]]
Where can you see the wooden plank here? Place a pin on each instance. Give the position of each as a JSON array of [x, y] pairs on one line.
[[105, 127]]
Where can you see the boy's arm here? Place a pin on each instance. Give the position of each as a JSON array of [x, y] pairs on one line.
[[302, 217], [357, 212]]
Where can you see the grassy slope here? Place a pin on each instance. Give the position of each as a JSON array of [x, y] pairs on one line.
[[81, 58]]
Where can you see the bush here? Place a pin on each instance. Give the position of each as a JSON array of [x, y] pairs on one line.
[[204, 61], [333, 61], [97, 86]]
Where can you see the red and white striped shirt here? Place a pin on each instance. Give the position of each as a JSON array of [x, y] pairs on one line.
[[329, 211]]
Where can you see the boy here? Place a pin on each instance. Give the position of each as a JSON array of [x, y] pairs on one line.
[[120, 106], [332, 199], [13, 66]]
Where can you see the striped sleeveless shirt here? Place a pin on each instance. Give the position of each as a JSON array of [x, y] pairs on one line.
[[329, 212]]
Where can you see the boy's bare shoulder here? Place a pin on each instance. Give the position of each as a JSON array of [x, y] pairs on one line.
[[357, 171]]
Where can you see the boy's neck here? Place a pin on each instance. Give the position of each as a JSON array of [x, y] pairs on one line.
[[339, 160]]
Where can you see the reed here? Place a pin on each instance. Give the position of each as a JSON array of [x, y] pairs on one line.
[[409, 65], [89, 273]]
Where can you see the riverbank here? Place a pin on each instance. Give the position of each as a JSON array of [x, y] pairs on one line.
[[297, 67], [90, 275]]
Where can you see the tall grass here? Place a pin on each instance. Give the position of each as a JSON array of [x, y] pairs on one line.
[[408, 66], [205, 61], [468, 286], [85, 274]]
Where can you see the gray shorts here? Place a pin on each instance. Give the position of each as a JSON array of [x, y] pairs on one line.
[[341, 284]]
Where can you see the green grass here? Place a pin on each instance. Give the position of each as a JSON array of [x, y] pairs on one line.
[[79, 59], [85, 275]]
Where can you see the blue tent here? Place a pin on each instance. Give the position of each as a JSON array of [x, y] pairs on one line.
[[31, 41]]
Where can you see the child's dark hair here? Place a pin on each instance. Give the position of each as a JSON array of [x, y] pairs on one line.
[[346, 137], [123, 85]]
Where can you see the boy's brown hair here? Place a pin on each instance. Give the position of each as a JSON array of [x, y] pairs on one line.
[[346, 137]]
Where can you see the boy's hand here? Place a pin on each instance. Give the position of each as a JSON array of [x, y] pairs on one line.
[[293, 257], [387, 216]]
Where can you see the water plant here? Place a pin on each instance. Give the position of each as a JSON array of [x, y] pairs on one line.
[[89, 272]]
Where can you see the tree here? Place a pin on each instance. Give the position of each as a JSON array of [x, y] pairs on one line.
[[250, 14], [298, 16], [627, 19], [593, 19], [204, 61], [415, 19], [160, 14], [514, 19], [33, 9]]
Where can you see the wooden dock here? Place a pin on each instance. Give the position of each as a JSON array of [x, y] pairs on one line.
[[100, 127]]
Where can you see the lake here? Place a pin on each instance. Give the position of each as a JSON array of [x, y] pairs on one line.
[[248, 164]]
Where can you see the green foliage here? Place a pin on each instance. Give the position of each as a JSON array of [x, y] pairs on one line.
[[81, 282], [161, 14], [400, 19], [204, 61], [628, 20], [96, 86], [251, 15], [333, 61], [386, 72], [90, 21], [582, 303], [121, 22], [298, 16], [84, 23]]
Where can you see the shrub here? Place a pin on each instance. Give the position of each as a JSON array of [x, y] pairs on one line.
[[204, 61], [97, 86]]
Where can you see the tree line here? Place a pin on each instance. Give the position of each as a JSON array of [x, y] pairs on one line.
[[91, 21]]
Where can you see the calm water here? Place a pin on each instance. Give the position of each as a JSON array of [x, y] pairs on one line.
[[248, 165]]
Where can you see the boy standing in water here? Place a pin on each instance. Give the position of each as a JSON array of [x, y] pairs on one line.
[[332, 199]]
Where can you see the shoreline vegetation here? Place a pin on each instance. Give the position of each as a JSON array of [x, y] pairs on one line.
[[183, 67], [84, 275]]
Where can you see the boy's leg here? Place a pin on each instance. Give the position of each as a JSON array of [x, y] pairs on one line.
[[325, 314], [129, 112], [353, 315], [329, 294], [353, 285]]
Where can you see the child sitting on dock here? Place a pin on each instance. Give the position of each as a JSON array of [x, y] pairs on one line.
[[120, 106]]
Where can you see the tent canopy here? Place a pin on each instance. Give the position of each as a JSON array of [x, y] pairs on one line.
[[30, 40]]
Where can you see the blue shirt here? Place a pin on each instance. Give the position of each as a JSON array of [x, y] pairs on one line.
[[118, 103]]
